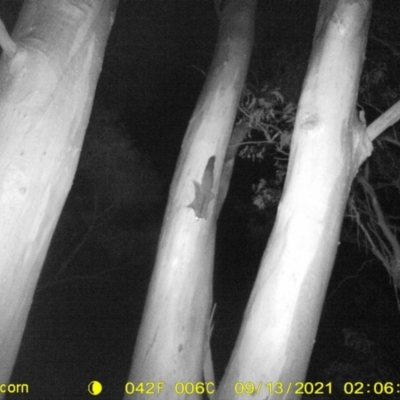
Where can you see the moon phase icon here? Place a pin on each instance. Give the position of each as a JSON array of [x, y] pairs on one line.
[[95, 388]]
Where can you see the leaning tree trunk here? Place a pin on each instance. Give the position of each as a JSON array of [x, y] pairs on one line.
[[329, 144], [172, 343], [48, 74]]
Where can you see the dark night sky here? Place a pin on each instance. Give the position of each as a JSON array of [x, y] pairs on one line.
[[84, 327]]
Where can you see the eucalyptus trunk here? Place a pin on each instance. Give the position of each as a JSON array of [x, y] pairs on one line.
[[48, 74], [328, 146], [173, 341]]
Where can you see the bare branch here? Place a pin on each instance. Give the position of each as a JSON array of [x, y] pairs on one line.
[[392, 47], [393, 256], [387, 119]]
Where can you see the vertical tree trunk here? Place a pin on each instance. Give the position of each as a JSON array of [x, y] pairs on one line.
[[329, 144], [48, 85], [172, 339]]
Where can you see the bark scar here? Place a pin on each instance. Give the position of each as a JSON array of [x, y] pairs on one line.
[[203, 192]]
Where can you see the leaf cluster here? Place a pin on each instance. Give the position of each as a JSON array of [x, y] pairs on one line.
[[270, 119]]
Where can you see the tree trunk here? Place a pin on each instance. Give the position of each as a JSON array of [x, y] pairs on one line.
[[172, 341], [48, 75], [329, 144]]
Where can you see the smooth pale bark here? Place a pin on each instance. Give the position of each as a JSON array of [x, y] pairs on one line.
[[172, 341], [329, 144], [47, 90]]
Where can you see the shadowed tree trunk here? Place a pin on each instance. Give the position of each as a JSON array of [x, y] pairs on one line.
[[48, 74], [173, 342], [328, 146]]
